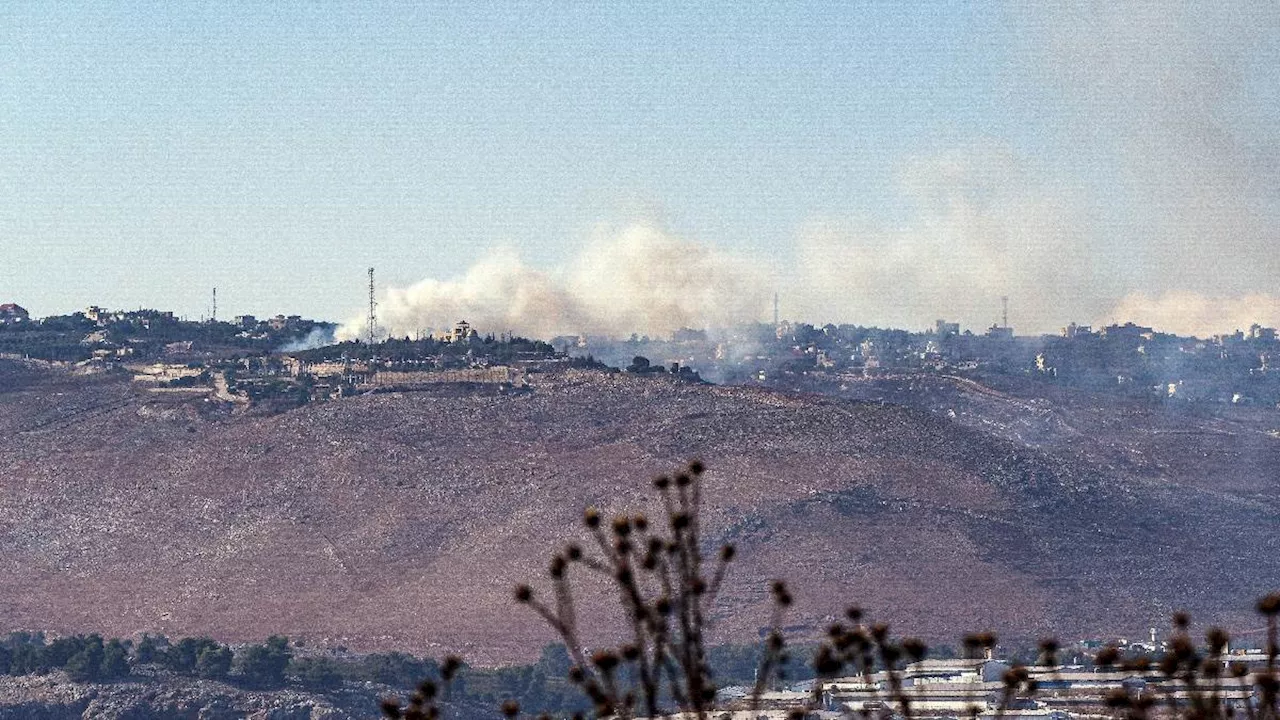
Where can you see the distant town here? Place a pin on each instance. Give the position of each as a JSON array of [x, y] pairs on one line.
[[294, 360]]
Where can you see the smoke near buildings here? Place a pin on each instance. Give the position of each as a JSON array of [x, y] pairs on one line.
[[1149, 191], [640, 279]]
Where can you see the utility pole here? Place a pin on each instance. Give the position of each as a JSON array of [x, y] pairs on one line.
[[373, 311]]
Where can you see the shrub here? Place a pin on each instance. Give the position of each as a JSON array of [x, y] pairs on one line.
[[667, 585], [214, 662], [316, 672], [265, 665]]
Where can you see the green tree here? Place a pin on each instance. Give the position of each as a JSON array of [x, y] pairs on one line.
[[181, 657], [86, 664], [214, 662], [316, 672], [265, 665], [555, 660], [150, 648], [115, 661]]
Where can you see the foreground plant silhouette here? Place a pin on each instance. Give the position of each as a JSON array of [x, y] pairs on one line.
[[666, 585]]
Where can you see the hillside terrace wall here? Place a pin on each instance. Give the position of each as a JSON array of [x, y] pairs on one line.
[[487, 376]]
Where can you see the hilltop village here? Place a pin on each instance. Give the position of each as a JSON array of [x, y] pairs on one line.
[[295, 360], [280, 361], [1123, 360]]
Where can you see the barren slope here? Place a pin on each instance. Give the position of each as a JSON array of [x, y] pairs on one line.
[[403, 520]]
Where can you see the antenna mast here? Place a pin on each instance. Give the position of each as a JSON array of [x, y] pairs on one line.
[[1004, 311], [214, 318], [373, 311]]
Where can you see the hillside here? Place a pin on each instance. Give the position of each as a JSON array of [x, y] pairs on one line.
[[403, 520]]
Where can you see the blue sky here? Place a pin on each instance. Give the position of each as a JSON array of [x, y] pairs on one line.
[[276, 150]]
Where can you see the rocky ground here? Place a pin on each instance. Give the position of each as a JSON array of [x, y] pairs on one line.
[[53, 697], [402, 520]]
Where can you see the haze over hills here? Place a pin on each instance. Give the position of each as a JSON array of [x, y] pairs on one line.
[[402, 520]]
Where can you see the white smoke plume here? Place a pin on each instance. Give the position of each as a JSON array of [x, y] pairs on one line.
[[639, 280], [1157, 201], [1168, 99], [1189, 313], [980, 229]]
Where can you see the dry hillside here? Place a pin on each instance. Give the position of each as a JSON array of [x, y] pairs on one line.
[[403, 520]]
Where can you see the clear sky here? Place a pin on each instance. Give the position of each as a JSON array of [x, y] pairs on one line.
[[149, 152]]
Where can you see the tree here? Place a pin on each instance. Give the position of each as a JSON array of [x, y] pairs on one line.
[[181, 658], [398, 669], [115, 661], [555, 660], [265, 665], [214, 662], [86, 664], [317, 672], [149, 648]]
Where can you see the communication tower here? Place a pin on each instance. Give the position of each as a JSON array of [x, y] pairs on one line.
[[373, 311], [214, 316], [1004, 311]]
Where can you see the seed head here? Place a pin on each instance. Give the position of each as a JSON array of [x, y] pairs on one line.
[[1217, 639], [622, 526], [781, 595], [573, 551], [1107, 656], [591, 517], [1270, 605], [854, 613], [605, 660], [727, 552], [1118, 698], [662, 482], [683, 480], [524, 593], [1181, 620], [510, 708], [915, 648], [696, 467]]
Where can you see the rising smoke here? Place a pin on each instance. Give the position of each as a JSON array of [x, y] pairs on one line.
[[1160, 206], [1170, 99], [638, 280]]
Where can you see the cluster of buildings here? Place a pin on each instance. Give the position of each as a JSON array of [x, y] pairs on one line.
[[13, 314], [1125, 359], [455, 359], [978, 688]]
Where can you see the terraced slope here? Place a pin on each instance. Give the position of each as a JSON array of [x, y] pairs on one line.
[[403, 520]]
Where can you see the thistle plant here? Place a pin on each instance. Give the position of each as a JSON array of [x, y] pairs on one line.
[[666, 585], [424, 704], [1201, 682]]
